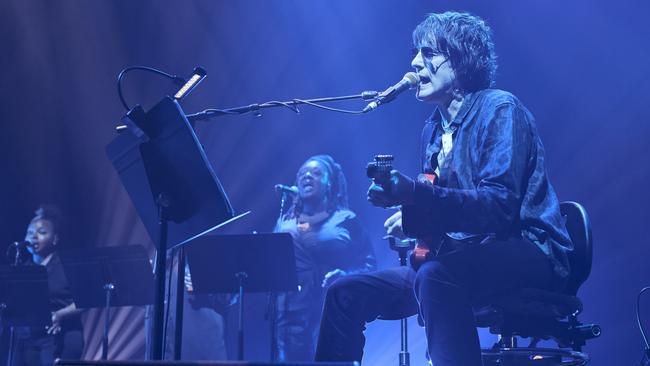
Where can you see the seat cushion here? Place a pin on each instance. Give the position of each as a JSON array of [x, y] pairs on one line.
[[527, 303]]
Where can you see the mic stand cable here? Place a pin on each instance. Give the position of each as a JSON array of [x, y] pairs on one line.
[[255, 108]]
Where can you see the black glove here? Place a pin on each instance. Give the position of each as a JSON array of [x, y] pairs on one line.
[[396, 191]]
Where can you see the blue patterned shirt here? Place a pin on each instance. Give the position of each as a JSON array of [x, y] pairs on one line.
[[493, 183]]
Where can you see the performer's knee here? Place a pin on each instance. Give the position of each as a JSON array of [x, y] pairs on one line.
[[342, 290], [433, 280], [343, 293]]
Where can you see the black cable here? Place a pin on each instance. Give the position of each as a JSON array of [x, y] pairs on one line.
[[328, 108], [207, 113], [175, 78], [210, 112], [284, 104]]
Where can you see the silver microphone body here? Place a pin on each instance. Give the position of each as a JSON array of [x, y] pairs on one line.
[[23, 243], [409, 81]]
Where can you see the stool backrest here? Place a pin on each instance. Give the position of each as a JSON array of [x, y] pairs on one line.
[[579, 228]]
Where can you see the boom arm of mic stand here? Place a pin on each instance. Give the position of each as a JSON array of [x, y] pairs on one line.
[[208, 114]]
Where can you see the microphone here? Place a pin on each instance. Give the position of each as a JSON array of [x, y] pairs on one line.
[[409, 81], [15, 251], [281, 188], [23, 243]]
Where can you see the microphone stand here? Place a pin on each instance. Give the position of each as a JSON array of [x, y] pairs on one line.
[[12, 336], [17, 255], [272, 306], [17, 246], [256, 107], [402, 247], [283, 200]]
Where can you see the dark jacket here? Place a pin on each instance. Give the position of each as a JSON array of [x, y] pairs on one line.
[[495, 184]]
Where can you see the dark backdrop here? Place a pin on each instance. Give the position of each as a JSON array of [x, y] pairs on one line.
[[581, 67]]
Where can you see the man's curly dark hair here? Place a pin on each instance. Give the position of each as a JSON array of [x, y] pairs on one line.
[[467, 41]]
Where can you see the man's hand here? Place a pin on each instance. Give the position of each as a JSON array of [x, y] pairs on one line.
[[397, 191], [393, 226], [56, 323], [59, 315], [331, 276]]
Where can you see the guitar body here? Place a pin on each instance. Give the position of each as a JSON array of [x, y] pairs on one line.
[[422, 251]]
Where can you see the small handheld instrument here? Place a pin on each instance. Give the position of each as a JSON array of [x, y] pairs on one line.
[[379, 171]]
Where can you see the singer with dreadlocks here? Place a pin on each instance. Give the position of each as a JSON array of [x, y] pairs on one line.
[[328, 243]]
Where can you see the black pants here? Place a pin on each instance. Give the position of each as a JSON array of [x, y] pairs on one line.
[[443, 290], [297, 322]]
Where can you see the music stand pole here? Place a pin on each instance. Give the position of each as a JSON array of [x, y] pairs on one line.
[[241, 277], [12, 347], [180, 297], [273, 313], [273, 298], [10, 353], [161, 269], [109, 287]]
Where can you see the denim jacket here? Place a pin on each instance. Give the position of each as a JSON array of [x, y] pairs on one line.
[[494, 184]]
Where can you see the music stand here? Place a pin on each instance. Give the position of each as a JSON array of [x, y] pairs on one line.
[[172, 185], [24, 300], [242, 263], [108, 277]]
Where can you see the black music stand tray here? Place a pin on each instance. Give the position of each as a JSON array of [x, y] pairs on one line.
[[24, 300], [172, 185], [242, 263], [108, 277]]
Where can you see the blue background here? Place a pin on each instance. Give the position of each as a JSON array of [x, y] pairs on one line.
[[581, 67]]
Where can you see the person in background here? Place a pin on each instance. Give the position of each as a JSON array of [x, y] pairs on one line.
[[329, 244], [64, 337]]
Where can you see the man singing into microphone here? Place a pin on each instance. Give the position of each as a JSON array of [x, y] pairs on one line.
[[491, 221]]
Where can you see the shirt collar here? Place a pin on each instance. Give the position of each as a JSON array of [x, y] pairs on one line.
[[468, 102], [47, 259]]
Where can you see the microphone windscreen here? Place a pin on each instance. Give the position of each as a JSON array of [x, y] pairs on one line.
[[412, 78]]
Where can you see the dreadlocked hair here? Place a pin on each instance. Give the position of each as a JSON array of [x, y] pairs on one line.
[[337, 194]]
